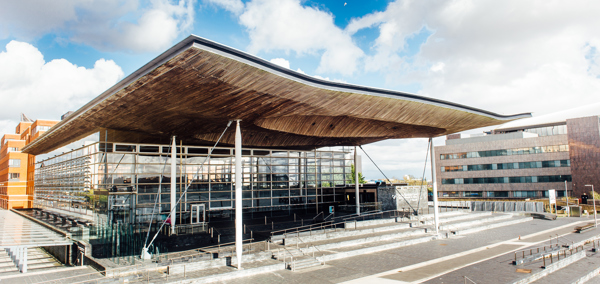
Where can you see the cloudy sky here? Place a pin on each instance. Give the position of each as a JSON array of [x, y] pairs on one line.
[[503, 56]]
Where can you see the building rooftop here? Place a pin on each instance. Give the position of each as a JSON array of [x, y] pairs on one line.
[[553, 118], [193, 89]]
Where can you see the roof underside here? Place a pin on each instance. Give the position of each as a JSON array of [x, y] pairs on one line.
[[193, 90]]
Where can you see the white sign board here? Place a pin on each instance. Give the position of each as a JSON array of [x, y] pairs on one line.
[[552, 196]]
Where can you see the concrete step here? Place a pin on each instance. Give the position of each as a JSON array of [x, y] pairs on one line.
[[305, 263], [378, 224], [462, 224], [492, 225], [285, 253], [412, 233], [341, 233], [451, 219]]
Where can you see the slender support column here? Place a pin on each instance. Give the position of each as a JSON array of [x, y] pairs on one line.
[[316, 183], [173, 184], [23, 262], [567, 199], [356, 181], [238, 194], [434, 184]]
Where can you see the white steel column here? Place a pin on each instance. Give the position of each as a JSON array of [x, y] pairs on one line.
[[173, 184], [356, 181], [434, 184], [23, 262], [238, 194]]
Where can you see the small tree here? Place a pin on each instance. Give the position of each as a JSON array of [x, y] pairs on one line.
[[361, 179]]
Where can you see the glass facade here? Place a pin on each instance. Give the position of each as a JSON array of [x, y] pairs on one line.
[[489, 180], [272, 178], [506, 152], [508, 166], [118, 183]]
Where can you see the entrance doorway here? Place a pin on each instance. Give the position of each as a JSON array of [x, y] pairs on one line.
[[198, 214]]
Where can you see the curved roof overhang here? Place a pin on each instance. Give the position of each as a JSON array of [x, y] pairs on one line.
[[193, 89]]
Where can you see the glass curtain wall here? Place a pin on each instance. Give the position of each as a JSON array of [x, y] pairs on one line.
[[118, 183]]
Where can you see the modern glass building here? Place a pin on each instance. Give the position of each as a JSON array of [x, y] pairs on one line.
[[191, 91]]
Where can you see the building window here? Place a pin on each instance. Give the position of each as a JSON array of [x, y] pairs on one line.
[[497, 194], [508, 166], [14, 176], [524, 194], [473, 193], [14, 163], [13, 149], [506, 152], [40, 128], [488, 180]]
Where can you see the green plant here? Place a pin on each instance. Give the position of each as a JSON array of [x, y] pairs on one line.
[[361, 179]]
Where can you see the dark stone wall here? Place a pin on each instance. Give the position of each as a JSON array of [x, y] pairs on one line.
[[61, 253], [584, 152]]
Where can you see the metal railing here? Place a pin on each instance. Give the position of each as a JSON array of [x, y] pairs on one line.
[[558, 253], [320, 213], [313, 252], [328, 216], [291, 263]]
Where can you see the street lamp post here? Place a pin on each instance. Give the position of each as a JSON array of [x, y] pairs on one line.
[[594, 200]]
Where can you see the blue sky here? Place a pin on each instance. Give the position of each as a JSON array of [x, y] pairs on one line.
[[503, 56]]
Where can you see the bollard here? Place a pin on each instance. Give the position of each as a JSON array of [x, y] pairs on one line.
[[251, 234], [515, 257], [550, 258], [530, 252], [244, 228], [265, 220], [272, 225], [523, 254], [294, 217], [538, 250], [544, 257]]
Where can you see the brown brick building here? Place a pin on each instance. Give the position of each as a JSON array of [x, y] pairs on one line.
[[518, 160]]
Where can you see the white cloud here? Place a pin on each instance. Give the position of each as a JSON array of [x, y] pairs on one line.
[[287, 25], [234, 6], [46, 90], [281, 62], [107, 25], [506, 57]]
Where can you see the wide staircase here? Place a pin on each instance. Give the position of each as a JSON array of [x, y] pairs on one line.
[[37, 260], [316, 245]]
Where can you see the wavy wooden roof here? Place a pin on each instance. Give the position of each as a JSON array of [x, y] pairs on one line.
[[193, 89]]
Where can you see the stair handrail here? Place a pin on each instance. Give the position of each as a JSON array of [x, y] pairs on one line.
[[296, 229], [552, 249], [328, 216], [314, 247], [291, 258], [318, 215], [568, 240]]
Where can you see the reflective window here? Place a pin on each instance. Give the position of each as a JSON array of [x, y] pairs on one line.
[[524, 179]]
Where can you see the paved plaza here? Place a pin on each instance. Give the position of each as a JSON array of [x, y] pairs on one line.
[[483, 257]]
